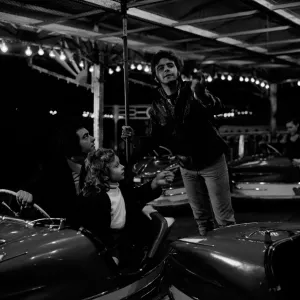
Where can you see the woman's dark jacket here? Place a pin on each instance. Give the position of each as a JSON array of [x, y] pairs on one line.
[[185, 125], [94, 212]]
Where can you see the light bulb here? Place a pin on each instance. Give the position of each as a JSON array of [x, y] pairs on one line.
[[51, 53], [110, 71], [4, 48], [62, 56], [81, 64], [139, 67], [91, 69], [28, 51], [41, 51]]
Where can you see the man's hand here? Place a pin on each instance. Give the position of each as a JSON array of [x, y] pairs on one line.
[[147, 210], [127, 133], [162, 178], [116, 260], [198, 84], [24, 198], [296, 162]]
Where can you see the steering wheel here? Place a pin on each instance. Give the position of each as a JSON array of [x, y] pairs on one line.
[[158, 154], [268, 149], [17, 214], [271, 150], [274, 149]]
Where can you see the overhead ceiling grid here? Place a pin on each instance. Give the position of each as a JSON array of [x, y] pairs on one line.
[[250, 37]]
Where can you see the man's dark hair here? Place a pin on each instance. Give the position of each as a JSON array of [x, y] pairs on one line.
[[70, 140], [165, 54], [293, 119]]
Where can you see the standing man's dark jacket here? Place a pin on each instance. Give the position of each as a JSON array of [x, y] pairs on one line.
[[186, 125]]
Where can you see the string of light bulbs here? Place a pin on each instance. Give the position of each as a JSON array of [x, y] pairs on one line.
[[141, 66]]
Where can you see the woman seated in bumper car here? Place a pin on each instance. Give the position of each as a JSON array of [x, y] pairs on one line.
[[116, 213]]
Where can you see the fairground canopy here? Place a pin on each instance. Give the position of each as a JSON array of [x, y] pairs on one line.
[[250, 38]]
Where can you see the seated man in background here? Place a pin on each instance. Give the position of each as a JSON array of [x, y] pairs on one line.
[[291, 149], [292, 141], [56, 185]]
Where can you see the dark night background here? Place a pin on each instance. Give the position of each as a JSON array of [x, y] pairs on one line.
[[27, 96]]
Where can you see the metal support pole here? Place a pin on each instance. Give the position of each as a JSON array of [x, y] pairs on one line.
[[273, 104], [98, 91], [125, 69], [116, 119]]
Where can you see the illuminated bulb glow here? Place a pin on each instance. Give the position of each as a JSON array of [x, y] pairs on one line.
[[41, 51], [4, 48], [62, 56], [28, 51]]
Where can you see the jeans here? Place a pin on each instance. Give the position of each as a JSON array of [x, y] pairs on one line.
[[209, 195]]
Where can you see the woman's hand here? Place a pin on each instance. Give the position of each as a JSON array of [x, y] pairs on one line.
[[162, 178]]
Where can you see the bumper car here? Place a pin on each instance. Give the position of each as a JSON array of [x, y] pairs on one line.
[[244, 261], [147, 168], [268, 175], [46, 258], [265, 176]]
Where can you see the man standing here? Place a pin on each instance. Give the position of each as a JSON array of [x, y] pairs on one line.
[[181, 118]]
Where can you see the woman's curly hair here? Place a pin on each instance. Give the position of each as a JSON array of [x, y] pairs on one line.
[[95, 174]]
